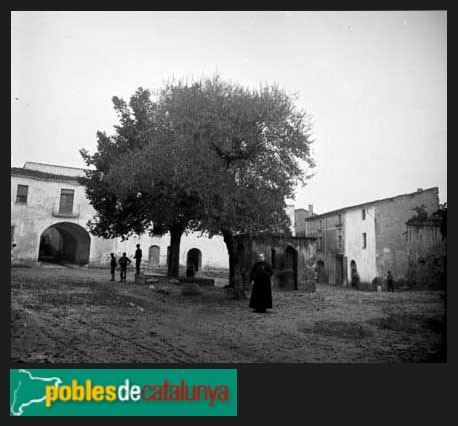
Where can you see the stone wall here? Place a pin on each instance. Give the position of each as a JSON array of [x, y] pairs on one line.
[[391, 229], [280, 252], [427, 255]]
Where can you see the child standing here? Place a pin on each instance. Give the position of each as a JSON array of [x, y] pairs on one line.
[[113, 264]]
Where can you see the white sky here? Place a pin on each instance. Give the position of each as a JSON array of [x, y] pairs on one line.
[[375, 83]]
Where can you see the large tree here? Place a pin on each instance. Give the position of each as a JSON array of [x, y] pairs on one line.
[[210, 156], [256, 144], [136, 183]]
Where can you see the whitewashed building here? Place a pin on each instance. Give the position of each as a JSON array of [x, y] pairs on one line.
[[49, 216], [370, 238]]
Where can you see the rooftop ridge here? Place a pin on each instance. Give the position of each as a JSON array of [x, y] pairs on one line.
[[20, 171], [367, 203], [52, 165]]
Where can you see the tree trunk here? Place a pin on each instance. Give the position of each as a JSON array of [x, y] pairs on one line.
[[235, 265], [173, 267]]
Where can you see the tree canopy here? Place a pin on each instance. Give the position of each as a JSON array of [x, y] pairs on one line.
[[208, 156]]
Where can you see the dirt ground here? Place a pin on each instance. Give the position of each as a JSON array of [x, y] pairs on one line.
[[71, 314]]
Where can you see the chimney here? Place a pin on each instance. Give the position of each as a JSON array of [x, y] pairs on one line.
[[419, 189], [310, 210]]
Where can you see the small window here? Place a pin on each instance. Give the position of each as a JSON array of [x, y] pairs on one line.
[[339, 241], [320, 225], [339, 220], [320, 243], [364, 240], [363, 214], [21, 195], [66, 200]]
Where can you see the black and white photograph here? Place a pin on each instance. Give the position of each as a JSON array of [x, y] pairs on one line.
[[228, 187]]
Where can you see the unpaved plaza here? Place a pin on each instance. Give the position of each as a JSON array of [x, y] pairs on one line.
[[72, 315]]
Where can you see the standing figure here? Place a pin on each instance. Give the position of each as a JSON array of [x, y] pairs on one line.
[[13, 246], [113, 264], [138, 258], [261, 293], [124, 261], [355, 279], [390, 281]]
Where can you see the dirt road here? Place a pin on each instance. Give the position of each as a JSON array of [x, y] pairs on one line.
[[61, 314]]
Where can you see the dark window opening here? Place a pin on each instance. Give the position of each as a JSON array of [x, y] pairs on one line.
[[21, 195], [363, 214], [66, 200], [364, 240]]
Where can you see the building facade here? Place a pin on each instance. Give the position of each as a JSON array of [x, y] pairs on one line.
[[369, 238], [49, 216], [299, 220]]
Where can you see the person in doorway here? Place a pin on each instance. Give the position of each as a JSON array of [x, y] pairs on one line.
[[390, 281], [124, 261], [138, 258], [261, 293], [355, 279], [113, 263]]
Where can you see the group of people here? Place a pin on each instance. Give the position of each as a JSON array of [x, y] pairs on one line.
[[261, 292], [355, 281], [124, 262]]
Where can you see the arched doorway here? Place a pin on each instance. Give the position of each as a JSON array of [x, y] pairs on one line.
[[273, 258], [321, 277], [290, 262], [154, 256], [65, 242], [193, 262]]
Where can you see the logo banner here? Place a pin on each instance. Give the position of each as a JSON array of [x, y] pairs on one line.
[[118, 392]]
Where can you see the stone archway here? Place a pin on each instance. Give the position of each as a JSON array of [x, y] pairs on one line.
[[64, 242], [290, 262], [193, 262]]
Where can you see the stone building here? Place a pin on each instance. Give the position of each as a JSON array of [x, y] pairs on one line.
[[370, 238], [289, 256], [49, 215], [299, 219]]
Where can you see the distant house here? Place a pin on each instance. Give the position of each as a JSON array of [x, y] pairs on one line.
[[370, 238], [300, 216]]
